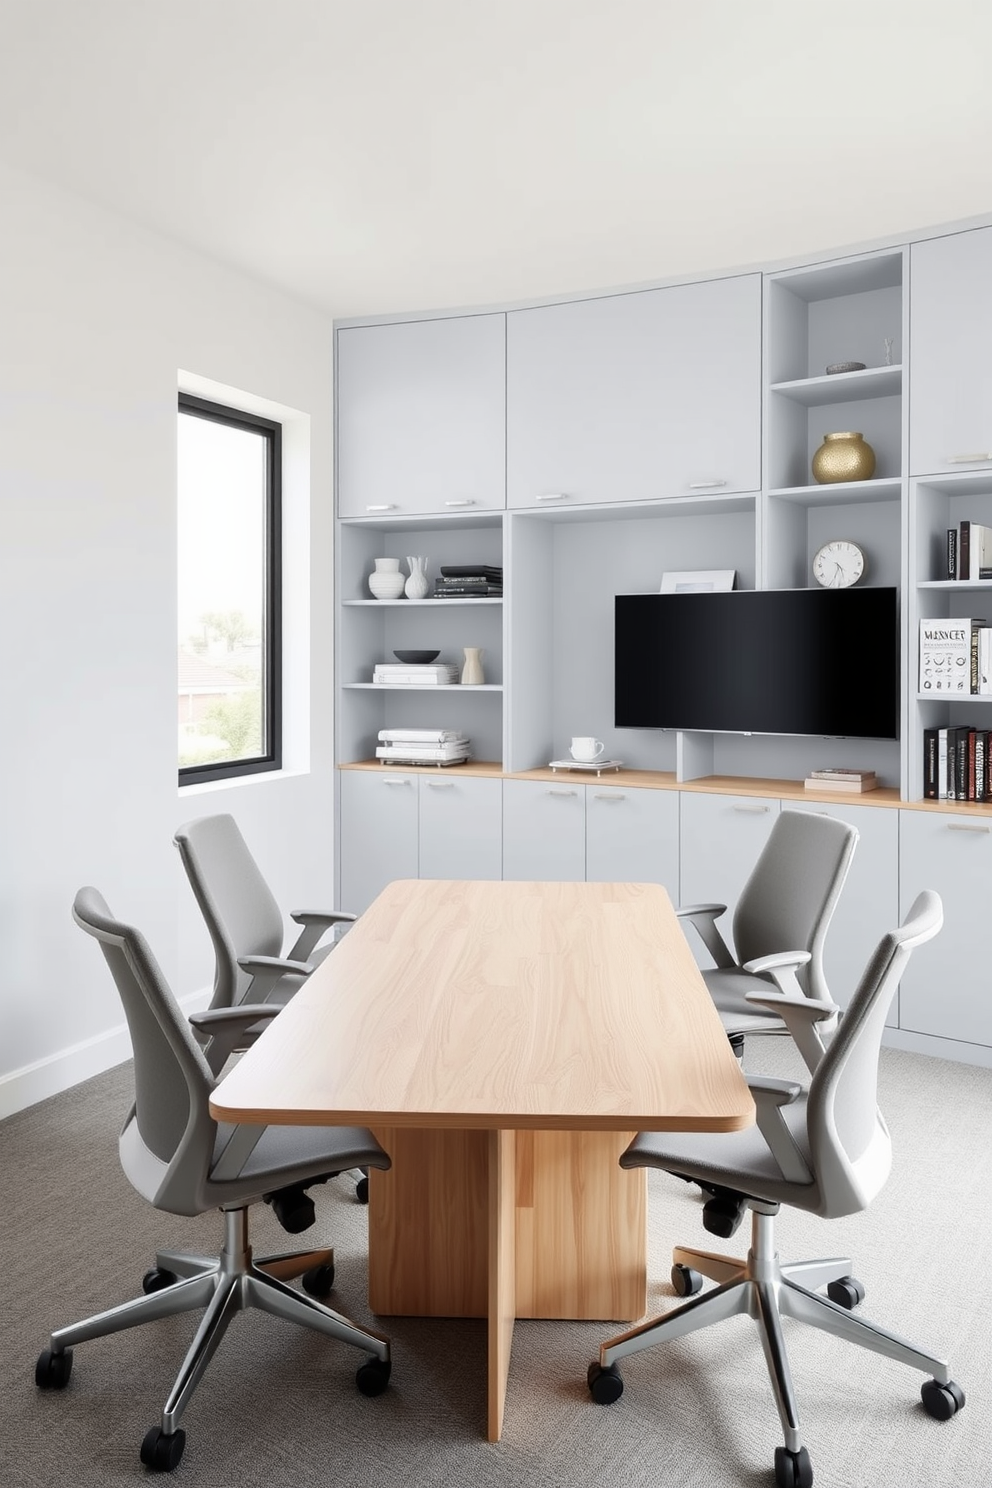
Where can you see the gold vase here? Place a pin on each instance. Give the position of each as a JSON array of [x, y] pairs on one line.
[[843, 457]]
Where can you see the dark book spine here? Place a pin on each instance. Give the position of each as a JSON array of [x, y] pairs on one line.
[[970, 793], [931, 788], [980, 742], [964, 551], [961, 765], [952, 552]]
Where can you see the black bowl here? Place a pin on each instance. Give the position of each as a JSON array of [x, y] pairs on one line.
[[416, 658]]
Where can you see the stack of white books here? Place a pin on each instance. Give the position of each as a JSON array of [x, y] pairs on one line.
[[423, 746], [399, 674]]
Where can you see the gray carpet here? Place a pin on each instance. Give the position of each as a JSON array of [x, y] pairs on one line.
[[278, 1407]]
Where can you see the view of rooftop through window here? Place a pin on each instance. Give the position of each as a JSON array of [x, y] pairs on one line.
[[224, 507]]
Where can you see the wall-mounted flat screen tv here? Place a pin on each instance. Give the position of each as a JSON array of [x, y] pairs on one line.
[[770, 661]]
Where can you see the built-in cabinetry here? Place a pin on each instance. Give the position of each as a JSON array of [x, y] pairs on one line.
[[588, 446], [635, 397]]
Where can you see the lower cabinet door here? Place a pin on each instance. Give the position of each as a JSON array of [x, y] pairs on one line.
[[721, 837], [947, 988], [379, 833], [632, 836], [869, 902], [544, 831], [461, 826]]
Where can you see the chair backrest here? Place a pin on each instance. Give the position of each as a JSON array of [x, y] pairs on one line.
[[237, 904], [168, 1141], [849, 1141], [789, 899]]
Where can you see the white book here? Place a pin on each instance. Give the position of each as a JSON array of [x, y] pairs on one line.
[[945, 655], [415, 681], [942, 792], [425, 752], [422, 736], [980, 552]]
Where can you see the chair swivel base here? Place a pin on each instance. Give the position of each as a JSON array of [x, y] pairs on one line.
[[765, 1290], [224, 1286]]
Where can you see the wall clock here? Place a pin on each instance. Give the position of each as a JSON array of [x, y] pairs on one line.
[[839, 564]]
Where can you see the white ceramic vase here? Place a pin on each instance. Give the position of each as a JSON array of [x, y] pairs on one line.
[[386, 581], [417, 586], [472, 675]]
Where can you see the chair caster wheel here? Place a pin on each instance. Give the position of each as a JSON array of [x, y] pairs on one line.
[[157, 1279], [318, 1281], [941, 1401], [362, 1189], [372, 1377], [846, 1292], [52, 1371], [605, 1385], [686, 1281], [162, 1453], [793, 1469]]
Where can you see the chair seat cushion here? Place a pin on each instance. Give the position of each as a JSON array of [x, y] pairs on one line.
[[729, 988]]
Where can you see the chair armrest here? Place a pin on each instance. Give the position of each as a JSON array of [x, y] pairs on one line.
[[781, 969], [314, 923], [267, 972], [703, 918], [223, 1031], [769, 1098], [803, 1017]]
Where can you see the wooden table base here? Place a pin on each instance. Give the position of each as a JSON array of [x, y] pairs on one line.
[[501, 1225]]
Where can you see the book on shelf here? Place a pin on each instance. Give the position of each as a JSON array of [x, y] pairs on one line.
[[841, 772], [386, 674], [974, 551], [851, 785], [421, 736], [956, 764], [946, 654], [931, 784], [467, 589], [485, 571], [952, 552], [423, 753]]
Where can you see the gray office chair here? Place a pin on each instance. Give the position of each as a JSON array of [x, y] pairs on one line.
[[245, 925], [825, 1149], [183, 1162], [779, 926]]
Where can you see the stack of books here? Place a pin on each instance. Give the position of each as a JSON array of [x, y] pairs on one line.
[[956, 764], [956, 656], [400, 674], [841, 778], [469, 581], [969, 552], [422, 747]]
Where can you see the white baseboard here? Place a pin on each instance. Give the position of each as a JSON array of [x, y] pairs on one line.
[[60, 1071], [939, 1048]]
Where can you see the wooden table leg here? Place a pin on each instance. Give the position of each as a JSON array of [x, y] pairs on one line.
[[502, 1274]]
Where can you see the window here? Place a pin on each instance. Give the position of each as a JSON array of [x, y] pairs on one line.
[[229, 592]]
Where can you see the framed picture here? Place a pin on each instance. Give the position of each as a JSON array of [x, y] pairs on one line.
[[697, 581]]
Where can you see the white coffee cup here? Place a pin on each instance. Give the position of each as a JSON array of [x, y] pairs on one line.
[[585, 750]]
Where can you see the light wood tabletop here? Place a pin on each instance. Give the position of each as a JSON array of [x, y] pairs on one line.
[[569, 1006], [504, 1041]]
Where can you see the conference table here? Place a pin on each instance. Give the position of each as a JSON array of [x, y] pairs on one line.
[[504, 1041]]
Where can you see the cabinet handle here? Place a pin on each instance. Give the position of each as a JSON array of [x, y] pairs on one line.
[[396, 780], [966, 827], [441, 784], [553, 496], [705, 485], [561, 793], [967, 459], [382, 506], [751, 810], [620, 796], [461, 503]]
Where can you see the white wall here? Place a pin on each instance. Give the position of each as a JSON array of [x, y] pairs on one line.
[[98, 317]]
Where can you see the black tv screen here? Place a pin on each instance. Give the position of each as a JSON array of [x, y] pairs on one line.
[[770, 661]]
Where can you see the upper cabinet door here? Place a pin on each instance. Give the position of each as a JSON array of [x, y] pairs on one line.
[[421, 416], [950, 372], [635, 396]]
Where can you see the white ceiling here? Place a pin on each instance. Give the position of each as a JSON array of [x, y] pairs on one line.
[[380, 155]]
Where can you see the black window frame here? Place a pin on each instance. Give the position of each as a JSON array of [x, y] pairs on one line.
[[237, 418]]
